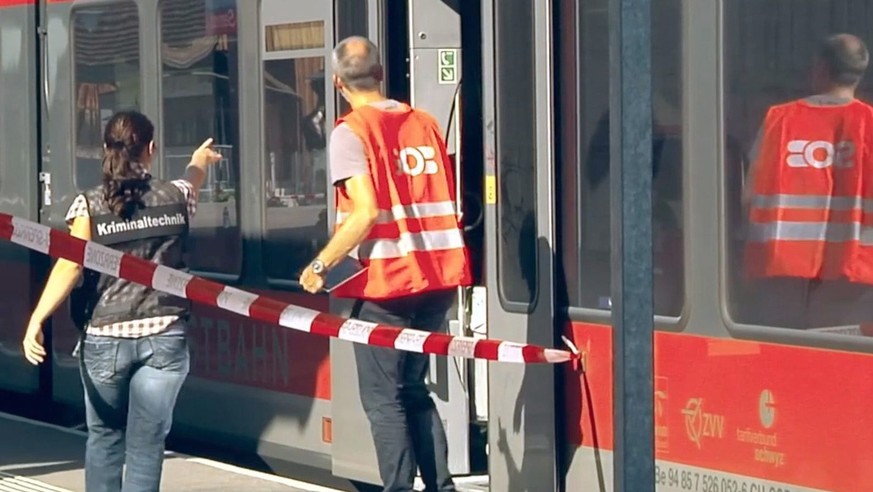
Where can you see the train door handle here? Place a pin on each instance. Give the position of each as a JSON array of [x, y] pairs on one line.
[[480, 216], [42, 32], [46, 179]]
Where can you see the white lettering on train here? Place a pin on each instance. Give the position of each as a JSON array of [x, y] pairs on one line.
[[769, 456]]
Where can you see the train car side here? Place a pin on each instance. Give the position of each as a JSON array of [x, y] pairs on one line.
[[19, 156], [743, 403]]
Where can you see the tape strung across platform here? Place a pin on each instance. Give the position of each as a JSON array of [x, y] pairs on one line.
[[105, 260]]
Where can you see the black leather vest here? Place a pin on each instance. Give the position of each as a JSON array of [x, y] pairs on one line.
[[157, 233]]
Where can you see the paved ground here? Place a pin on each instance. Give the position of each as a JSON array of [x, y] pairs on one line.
[[39, 457]]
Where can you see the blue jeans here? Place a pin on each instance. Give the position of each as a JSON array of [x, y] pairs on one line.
[[131, 387]]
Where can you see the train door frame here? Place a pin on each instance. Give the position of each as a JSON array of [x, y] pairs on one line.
[[445, 76], [523, 437], [57, 135], [352, 449], [410, 58], [20, 71]]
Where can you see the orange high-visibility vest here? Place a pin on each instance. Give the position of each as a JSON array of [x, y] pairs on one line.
[[811, 212], [417, 243]]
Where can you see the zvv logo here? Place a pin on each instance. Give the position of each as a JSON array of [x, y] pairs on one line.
[[416, 161], [700, 424], [820, 154]]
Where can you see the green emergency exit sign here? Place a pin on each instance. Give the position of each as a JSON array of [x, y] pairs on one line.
[[448, 66]]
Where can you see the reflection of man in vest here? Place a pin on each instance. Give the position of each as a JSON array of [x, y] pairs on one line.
[[810, 200]]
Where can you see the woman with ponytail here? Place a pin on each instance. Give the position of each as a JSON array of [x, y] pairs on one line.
[[134, 349]]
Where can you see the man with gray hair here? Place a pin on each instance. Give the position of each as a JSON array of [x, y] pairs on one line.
[[396, 210]]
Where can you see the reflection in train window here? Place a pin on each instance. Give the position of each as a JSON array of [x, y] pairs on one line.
[[350, 19], [106, 80], [10, 113], [583, 146], [294, 36], [770, 59], [515, 81], [200, 100], [296, 164]]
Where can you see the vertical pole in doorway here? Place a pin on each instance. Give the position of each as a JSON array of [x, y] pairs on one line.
[[630, 99]]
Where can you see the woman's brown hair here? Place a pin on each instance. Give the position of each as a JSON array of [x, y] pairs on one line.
[[127, 137]]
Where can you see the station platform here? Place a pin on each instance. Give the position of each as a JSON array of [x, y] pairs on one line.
[[41, 457]]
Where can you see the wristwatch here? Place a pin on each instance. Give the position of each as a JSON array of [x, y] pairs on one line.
[[317, 267]]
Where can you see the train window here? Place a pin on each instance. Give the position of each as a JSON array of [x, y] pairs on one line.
[[106, 79], [294, 36], [515, 84], [583, 145], [295, 125], [773, 56], [200, 87], [350, 19]]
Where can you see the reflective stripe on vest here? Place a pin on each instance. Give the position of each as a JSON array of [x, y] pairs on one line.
[[411, 242], [811, 231], [813, 202], [836, 226], [413, 211]]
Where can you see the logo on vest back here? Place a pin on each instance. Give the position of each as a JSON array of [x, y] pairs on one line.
[[416, 161], [148, 222], [820, 154]]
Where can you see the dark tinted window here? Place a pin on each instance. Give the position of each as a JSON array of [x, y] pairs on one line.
[[350, 20], [106, 79], [582, 101], [200, 100], [515, 84], [297, 119], [295, 122]]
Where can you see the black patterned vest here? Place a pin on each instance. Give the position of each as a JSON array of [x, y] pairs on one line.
[[156, 232]]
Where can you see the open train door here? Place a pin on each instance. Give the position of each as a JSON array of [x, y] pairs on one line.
[[422, 49]]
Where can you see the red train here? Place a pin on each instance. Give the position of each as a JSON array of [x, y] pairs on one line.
[[756, 390]]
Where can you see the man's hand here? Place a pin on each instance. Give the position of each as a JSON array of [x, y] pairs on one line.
[[34, 352], [311, 281]]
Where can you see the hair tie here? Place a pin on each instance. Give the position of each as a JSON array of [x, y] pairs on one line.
[[116, 144]]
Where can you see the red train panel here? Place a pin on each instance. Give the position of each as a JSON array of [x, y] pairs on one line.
[[787, 414]]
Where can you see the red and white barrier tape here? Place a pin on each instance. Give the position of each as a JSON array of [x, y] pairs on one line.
[[105, 260]]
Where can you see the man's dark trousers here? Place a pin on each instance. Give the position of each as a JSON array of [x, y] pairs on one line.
[[406, 427]]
